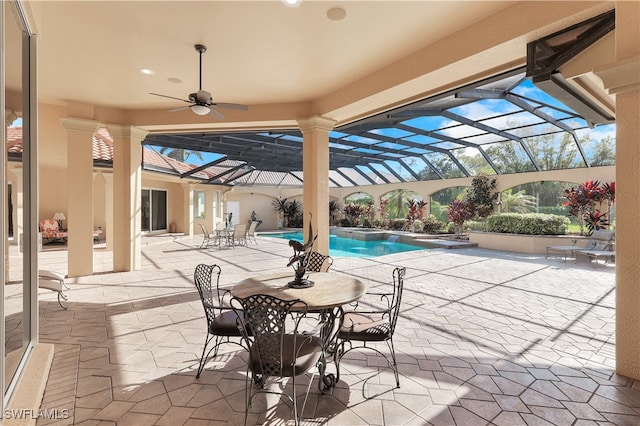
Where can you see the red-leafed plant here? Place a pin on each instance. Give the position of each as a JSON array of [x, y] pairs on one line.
[[459, 212], [590, 203], [416, 209]]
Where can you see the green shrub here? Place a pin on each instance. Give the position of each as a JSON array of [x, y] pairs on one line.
[[530, 223], [474, 225], [377, 223], [431, 225], [397, 224]]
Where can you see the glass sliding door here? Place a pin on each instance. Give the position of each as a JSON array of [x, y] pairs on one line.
[[18, 203], [154, 210]]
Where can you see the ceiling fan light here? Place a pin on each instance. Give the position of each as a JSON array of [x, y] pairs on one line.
[[200, 109]]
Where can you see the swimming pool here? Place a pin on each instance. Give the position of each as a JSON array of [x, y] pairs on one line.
[[347, 247]]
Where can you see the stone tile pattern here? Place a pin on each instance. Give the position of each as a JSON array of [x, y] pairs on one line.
[[484, 338]]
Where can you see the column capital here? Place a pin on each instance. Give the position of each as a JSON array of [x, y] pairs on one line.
[[620, 76], [120, 131], [317, 123], [79, 124]]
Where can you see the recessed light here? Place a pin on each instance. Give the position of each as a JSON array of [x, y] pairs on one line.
[[292, 3], [147, 71], [336, 13]]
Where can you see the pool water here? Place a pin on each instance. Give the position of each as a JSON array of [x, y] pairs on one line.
[[347, 247]]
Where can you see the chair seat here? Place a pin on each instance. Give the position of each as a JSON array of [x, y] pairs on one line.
[[307, 354], [365, 327], [225, 324]]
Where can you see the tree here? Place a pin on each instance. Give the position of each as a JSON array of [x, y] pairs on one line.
[[482, 196], [397, 202], [180, 154], [518, 202], [604, 151]]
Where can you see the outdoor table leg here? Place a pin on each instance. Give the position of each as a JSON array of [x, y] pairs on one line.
[[330, 320]]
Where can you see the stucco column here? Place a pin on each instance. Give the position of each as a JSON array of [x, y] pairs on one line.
[[188, 209], [80, 199], [623, 79], [127, 196], [108, 213], [315, 167]]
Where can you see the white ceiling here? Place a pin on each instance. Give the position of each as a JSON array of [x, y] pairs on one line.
[[259, 52]]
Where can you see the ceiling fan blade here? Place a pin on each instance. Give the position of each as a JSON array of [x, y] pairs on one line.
[[217, 114], [230, 106], [179, 108], [170, 97]]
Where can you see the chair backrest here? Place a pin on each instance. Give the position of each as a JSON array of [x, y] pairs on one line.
[[601, 239], [252, 228], [204, 229], [203, 277], [49, 226], [220, 226], [398, 287], [317, 262], [240, 230], [269, 319]]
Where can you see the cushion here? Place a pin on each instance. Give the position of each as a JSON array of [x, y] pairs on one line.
[[364, 327]]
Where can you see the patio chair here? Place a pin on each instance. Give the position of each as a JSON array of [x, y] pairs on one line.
[[207, 237], [251, 232], [600, 240], [239, 236], [317, 262], [222, 320], [277, 349], [50, 230], [359, 328]]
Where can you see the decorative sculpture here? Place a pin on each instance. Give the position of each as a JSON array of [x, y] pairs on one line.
[[300, 260]]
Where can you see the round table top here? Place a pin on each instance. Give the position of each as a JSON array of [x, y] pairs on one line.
[[330, 289]]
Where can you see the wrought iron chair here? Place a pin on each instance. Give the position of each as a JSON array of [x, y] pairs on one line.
[[276, 348], [318, 262], [222, 320], [360, 327]]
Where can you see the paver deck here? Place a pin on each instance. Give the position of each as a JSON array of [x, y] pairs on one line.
[[484, 338]]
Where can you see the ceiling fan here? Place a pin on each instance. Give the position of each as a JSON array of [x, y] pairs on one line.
[[201, 101]]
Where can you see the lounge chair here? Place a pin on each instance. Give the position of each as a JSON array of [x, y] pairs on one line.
[[53, 281], [600, 250], [601, 240]]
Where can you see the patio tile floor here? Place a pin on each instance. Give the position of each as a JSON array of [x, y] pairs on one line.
[[484, 338]]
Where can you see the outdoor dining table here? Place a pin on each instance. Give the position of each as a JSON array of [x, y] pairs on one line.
[[329, 292]]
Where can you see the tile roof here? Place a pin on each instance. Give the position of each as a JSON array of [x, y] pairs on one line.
[[103, 151]]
